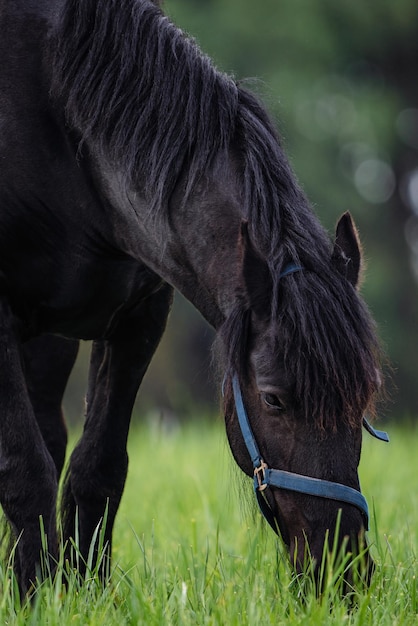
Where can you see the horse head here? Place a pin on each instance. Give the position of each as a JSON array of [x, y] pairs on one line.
[[303, 351]]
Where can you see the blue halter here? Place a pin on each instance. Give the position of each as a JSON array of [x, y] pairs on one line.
[[266, 477]]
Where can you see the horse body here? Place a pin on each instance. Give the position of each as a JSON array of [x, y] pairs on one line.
[[130, 166]]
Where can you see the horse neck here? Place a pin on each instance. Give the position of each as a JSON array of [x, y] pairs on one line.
[[192, 245], [206, 232]]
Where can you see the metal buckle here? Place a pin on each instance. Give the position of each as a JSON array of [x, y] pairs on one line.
[[260, 479]]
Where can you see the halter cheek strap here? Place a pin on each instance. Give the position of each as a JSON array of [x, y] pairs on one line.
[[378, 434], [265, 477]]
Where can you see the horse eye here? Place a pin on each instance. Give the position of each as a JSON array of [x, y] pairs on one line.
[[272, 401]]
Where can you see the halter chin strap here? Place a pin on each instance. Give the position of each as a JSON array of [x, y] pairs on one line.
[[266, 477]]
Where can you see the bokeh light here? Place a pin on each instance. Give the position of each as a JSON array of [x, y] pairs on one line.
[[375, 180]]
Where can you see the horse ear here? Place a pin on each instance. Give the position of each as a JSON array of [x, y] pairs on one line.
[[346, 255], [256, 279]]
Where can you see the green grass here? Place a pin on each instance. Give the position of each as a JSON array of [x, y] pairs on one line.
[[187, 552]]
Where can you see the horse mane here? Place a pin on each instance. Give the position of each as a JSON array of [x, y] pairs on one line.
[[142, 92]]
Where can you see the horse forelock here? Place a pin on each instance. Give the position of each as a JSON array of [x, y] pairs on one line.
[[325, 340], [328, 342]]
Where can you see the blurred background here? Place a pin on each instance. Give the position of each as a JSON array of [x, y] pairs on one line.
[[341, 79]]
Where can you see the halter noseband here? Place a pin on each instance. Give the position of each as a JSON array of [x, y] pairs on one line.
[[266, 477]]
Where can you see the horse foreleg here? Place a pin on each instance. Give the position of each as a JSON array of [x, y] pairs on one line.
[[28, 478], [48, 363], [98, 466]]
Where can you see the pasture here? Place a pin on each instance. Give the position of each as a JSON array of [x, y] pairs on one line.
[[188, 551]]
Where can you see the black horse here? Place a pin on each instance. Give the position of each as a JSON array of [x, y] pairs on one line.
[[128, 166]]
